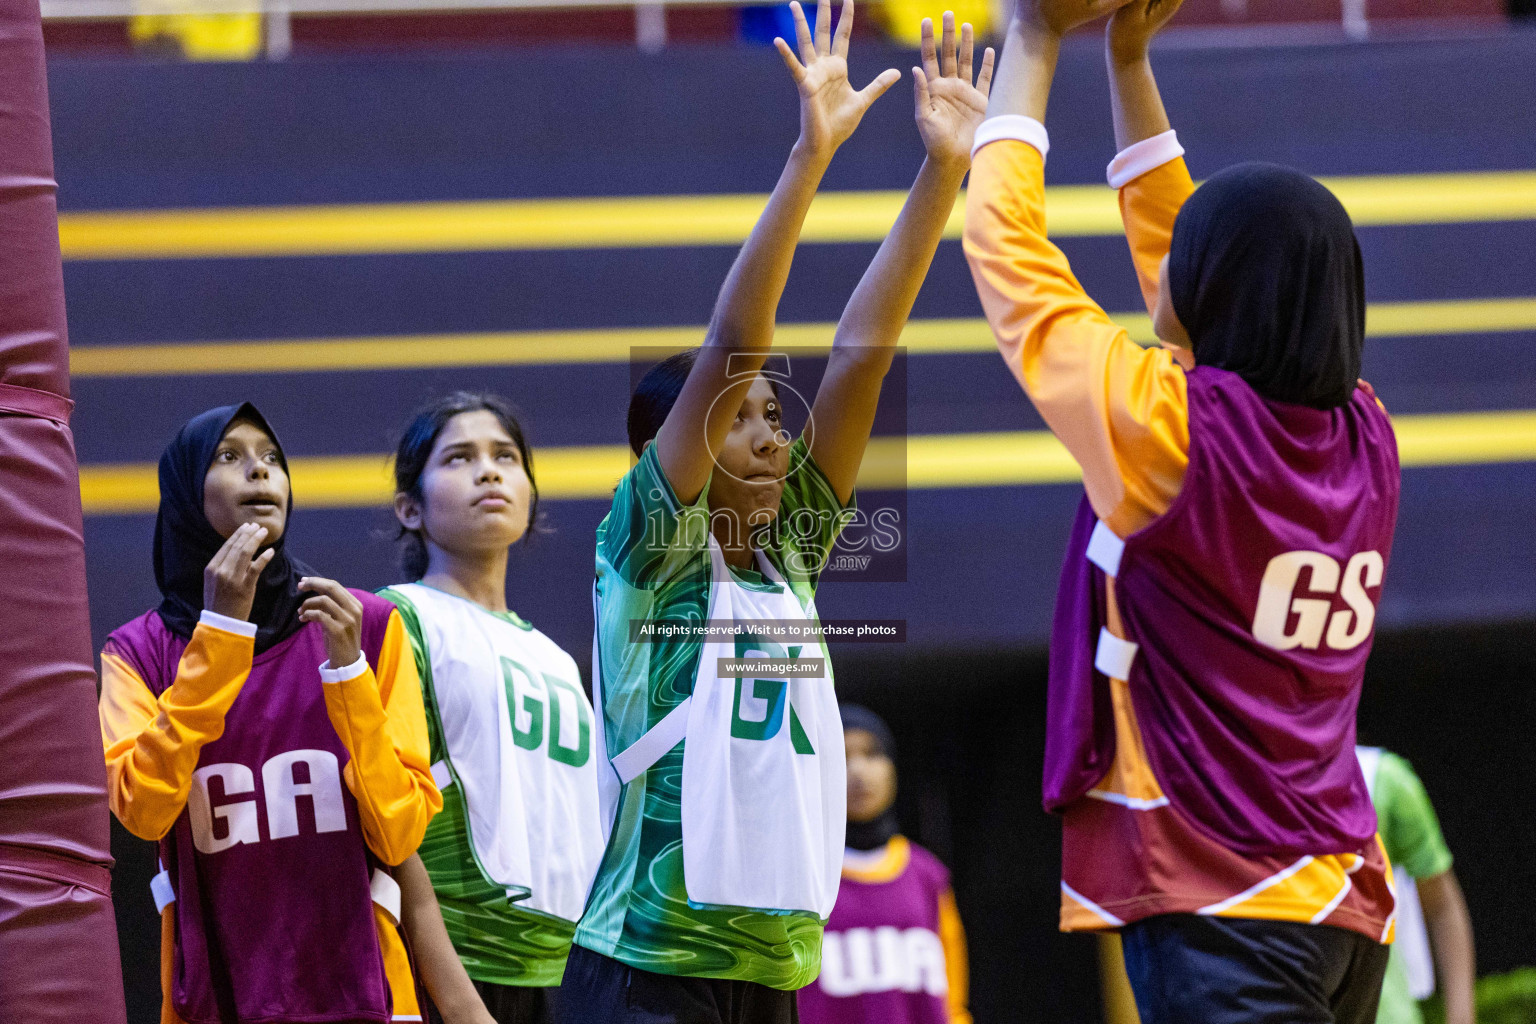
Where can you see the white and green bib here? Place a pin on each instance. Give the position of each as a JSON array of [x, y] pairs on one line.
[[513, 732]]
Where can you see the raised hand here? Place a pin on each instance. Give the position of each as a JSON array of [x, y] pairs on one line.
[[229, 581], [949, 107], [1131, 29], [830, 108], [340, 615], [1058, 17]]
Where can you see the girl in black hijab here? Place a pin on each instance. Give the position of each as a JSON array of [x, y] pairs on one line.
[[250, 665]]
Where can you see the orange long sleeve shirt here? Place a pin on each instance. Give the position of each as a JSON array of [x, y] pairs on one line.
[[152, 747]]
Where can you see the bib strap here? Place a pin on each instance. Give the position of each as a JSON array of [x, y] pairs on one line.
[[160, 888], [386, 893], [658, 739], [1114, 656], [1105, 549]]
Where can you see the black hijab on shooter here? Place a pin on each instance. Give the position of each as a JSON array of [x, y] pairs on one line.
[[185, 542], [1265, 275]]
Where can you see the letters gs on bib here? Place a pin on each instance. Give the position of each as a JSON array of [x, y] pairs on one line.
[[1317, 622]]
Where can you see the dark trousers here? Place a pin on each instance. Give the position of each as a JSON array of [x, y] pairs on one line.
[[1189, 969], [600, 990], [512, 1004]]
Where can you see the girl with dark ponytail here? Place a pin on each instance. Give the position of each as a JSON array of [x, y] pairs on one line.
[[516, 846]]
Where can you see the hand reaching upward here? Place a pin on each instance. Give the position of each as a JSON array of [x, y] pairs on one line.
[[830, 108], [1132, 27], [949, 107]]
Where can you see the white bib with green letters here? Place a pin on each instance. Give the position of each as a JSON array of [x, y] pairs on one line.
[[764, 787], [518, 732]]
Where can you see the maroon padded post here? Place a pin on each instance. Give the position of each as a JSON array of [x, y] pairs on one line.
[[58, 938]]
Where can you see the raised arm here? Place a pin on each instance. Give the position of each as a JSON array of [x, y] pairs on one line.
[[741, 330], [1121, 411], [1149, 169], [948, 110]]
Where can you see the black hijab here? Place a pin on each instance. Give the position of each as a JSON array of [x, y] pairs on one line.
[[185, 542], [1265, 275], [875, 833]]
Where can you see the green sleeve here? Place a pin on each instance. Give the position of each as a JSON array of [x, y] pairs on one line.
[[649, 535], [1409, 829], [809, 521]]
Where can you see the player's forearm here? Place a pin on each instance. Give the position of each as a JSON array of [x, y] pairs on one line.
[[865, 342], [878, 309], [389, 772], [151, 745], [1022, 84], [1134, 99], [1450, 936], [436, 961], [749, 299]]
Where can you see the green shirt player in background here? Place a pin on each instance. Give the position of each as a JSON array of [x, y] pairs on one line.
[[724, 783], [510, 857], [1434, 930]]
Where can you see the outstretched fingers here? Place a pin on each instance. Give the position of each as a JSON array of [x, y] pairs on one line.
[[920, 88], [802, 34], [984, 80], [967, 49], [844, 30], [947, 47], [873, 90], [823, 27], [930, 50], [796, 69]]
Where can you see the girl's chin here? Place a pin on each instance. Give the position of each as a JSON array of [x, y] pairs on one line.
[[483, 538]]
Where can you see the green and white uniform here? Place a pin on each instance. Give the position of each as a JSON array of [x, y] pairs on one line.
[[1411, 833], [514, 850], [760, 794]]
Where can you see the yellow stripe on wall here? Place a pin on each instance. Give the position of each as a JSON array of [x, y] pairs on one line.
[[1002, 459], [645, 221], [571, 348]]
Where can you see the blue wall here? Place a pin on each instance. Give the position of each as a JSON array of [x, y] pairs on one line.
[[981, 562]]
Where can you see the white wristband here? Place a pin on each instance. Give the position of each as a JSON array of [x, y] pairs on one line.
[[1140, 157], [229, 625], [341, 675], [1012, 126]]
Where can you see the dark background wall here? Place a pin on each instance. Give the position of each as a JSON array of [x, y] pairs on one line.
[[1451, 682]]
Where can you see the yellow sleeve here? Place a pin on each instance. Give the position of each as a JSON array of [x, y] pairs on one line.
[[956, 966], [1149, 204], [1121, 411], [152, 745], [380, 720]]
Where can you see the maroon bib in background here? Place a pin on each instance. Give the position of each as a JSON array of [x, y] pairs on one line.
[[881, 954]]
